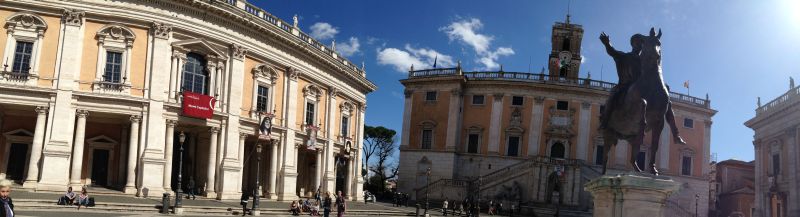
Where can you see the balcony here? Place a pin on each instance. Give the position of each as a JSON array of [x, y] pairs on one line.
[[111, 87]]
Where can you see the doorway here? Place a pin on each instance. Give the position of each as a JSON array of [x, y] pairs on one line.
[[100, 167], [17, 161]]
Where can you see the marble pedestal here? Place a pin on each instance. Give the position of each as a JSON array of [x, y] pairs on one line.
[[630, 195]]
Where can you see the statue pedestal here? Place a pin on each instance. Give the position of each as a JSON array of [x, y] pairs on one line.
[[630, 195]]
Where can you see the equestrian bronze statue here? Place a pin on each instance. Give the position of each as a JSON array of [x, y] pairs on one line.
[[640, 102]]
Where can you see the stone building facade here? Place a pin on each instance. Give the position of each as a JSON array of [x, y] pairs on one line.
[[731, 189], [776, 162], [531, 139], [95, 93]]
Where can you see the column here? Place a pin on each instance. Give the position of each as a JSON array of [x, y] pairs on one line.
[[663, 149], [791, 146], [359, 188], [155, 126], [494, 124], [707, 147], [58, 146], [77, 152], [584, 131], [349, 179], [289, 173], [453, 119], [36, 150], [211, 167], [168, 155], [318, 173], [229, 168], [535, 131], [329, 179], [273, 172], [408, 104], [133, 143], [242, 139]]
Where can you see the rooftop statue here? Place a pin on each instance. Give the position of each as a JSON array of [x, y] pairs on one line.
[[640, 102]]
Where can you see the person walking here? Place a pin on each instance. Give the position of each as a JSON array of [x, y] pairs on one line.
[[190, 189], [341, 205], [319, 194], [326, 206], [444, 207], [6, 204], [244, 201]]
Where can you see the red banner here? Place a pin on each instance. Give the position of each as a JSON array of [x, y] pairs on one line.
[[198, 105]]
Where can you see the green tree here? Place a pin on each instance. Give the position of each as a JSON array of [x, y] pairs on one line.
[[379, 142]]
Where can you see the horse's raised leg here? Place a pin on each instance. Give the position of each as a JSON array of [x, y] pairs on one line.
[[655, 137], [670, 118], [610, 141]]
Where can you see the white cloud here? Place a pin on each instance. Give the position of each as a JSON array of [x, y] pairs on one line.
[[466, 31], [420, 58], [323, 31], [346, 49]]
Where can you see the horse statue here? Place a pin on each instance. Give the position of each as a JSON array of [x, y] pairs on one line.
[[641, 106]]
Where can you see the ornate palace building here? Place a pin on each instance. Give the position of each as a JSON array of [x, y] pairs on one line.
[[110, 93], [532, 140], [731, 189], [777, 185]]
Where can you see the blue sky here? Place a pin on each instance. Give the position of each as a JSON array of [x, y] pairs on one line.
[[734, 50]]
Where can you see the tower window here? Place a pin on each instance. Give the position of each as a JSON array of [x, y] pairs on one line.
[[566, 45], [686, 166], [517, 100], [477, 99], [562, 105], [430, 96], [427, 139], [472, 143], [688, 123], [513, 146]]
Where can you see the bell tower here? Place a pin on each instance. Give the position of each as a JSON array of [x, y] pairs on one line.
[[565, 55]]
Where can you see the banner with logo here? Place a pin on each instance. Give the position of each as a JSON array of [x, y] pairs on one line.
[[198, 105]]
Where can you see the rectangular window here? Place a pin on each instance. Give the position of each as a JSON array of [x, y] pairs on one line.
[[598, 155], [513, 146], [345, 126], [776, 164], [472, 143], [686, 166], [430, 96], [517, 100], [641, 160], [113, 71], [262, 98], [688, 123], [477, 99], [427, 139], [22, 57], [310, 113], [562, 105]]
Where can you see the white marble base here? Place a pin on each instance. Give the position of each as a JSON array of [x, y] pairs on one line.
[[630, 195], [178, 211], [256, 212]]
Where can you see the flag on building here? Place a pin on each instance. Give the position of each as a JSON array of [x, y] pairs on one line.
[[686, 84]]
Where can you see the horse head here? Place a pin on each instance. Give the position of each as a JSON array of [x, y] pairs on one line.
[[651, 47]]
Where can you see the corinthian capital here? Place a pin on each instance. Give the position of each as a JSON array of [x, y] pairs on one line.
[[72, 17], [238, 51], [161, 30]]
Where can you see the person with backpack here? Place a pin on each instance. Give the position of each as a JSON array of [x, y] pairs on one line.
[[341, 205]]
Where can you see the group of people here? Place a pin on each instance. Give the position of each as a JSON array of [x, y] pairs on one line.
[[70, 198], [301, 207], [400, 199]]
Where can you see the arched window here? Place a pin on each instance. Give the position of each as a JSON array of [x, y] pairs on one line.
[[557, 151], [195, 76]]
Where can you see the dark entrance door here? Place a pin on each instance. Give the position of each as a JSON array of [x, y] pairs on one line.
[[341, 175], [100, 167], [17, 161]]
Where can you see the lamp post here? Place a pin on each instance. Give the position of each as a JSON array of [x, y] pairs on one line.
[[696, 198], [427, 189], [179, 194], [258, 177]]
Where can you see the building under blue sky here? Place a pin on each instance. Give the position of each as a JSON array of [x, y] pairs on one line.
[[734, 51]]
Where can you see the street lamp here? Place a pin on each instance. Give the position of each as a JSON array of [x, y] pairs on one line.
[[427, 189], [258, 176], [696, 198], [179, 194]]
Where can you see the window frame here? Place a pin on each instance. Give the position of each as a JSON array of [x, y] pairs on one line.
[[118, 65], [482, 97], [18, 54], [508, 146], [312, 95], [266, 98], [263, 76], [204, 73], [24, 27], [422, 139], [521, 98], [477, 143], [686, 170], [559, 107], [435, 96], [690, 123], [114, 38], [599, 154]]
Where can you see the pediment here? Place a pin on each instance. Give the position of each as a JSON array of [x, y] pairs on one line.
[[19, 132], [200, 46], [101, 139]]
